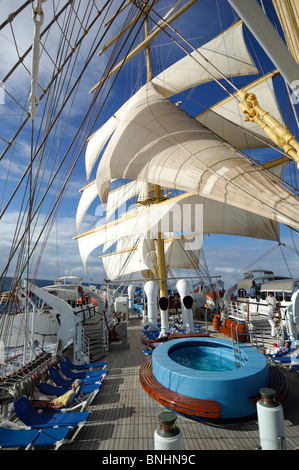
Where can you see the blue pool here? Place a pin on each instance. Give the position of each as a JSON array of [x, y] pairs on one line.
[[204, 368], [202, 358]]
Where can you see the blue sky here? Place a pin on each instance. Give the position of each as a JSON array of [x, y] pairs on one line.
[[226, 256]]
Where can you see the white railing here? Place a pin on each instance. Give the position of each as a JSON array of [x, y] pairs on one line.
[[95, 342]]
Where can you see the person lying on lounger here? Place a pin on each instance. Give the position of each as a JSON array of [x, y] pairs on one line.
[[285, 349], [59, 402]]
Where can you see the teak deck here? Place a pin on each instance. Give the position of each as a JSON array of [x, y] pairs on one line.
[[124, 417], [278, 382]]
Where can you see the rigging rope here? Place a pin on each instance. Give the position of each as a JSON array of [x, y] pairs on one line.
[[59, 198], [32, 202], [252, 263]]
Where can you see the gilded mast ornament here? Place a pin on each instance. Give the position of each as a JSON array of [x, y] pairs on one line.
[[276, 131]]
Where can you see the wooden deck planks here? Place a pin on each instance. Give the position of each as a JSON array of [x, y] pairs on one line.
[[185, 405], [124, 417]]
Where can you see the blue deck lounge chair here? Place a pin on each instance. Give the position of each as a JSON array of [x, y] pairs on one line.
[[96, 375], [53, 390], [81, 399], [285, 358], [62, 382], [30, 416], [95, 365], [151, 334], [30, 438]]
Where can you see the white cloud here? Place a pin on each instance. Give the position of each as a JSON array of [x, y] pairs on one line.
[[60, 255]]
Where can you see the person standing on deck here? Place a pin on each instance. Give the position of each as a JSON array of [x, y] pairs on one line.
[[271, 302]]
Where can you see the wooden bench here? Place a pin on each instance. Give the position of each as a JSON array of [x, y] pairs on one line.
[[176, 401], [278, 382]]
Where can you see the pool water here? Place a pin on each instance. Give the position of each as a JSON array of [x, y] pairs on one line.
[[231, 387], [200, 359]]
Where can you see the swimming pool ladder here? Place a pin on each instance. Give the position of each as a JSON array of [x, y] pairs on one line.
[[236, 345]]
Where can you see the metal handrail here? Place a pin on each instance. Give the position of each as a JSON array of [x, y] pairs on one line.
[[236, 350]]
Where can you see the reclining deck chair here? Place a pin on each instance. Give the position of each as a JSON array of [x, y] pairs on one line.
[[62, 382], [73, 404], [30, 416], [81, 399], [95, 365], [285, 358], [30, 438], [88, 374], [56, 391]]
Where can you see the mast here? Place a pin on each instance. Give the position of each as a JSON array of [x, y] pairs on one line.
[[157, 188], [146, 41], [287, 12]]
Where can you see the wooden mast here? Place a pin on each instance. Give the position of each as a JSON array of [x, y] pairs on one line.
[[157, 188]]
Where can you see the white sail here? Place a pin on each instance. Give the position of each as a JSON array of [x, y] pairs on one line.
[[116, 198], [227, 55], [147, 253], [181, 252], [89, 193], [120, 263], [138, 254], [185, 213], [121, 195], [226, 120], [227, 52], [138, 222], [156, 142], [132, 254], [178, 252], [99, 139]]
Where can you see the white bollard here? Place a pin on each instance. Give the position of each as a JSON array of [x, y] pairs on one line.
[[270, 421], [168, 436]]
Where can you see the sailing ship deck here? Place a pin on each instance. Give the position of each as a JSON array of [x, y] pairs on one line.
[[124, 417]]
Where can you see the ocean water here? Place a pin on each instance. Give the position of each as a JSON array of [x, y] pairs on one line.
[[8, 281], [39, 283]]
